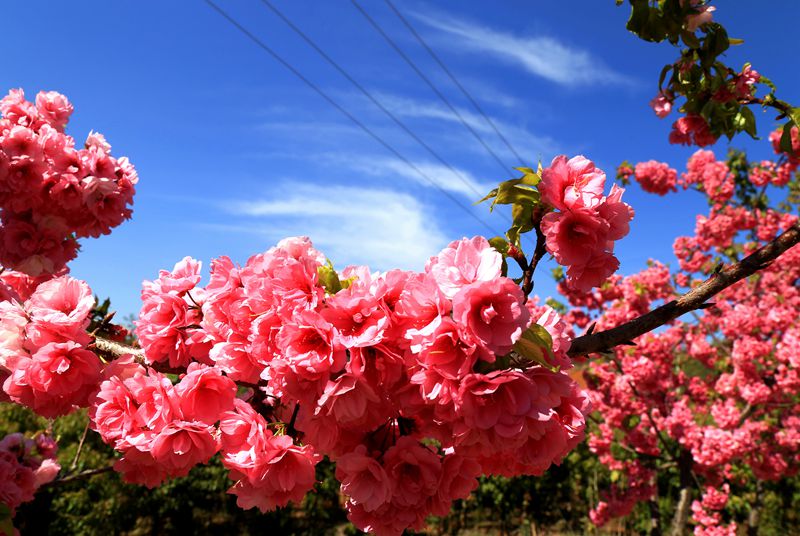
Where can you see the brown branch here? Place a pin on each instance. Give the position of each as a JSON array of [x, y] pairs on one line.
[[111, 350], [80, 476], [538, 253], [77, 457], [694, 299]]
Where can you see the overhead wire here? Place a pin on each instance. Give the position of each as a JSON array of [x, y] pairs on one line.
[[454, 80], [505, 168], [371, 97], [346, 113]]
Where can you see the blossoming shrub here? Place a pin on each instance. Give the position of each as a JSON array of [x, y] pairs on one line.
[[712, 401], [413, 383]]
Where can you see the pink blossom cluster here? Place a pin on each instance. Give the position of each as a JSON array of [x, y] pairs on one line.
[[25, 464], [706, 513], [691, 130], [656, 177], [51, 193], [581, 233], [163, 430], [43, 347], [709, 174], [403, 379], [717, 395]]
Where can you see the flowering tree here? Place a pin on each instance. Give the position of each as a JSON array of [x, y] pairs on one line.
[[712, 401], [413, 383]]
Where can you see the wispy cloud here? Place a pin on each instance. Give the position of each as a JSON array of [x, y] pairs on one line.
[[520, 136], [540, 55], [381, 228], [461, 182]]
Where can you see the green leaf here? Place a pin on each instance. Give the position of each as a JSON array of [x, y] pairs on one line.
[[522, 216], [329, 279], [786, 138], [536, 345], [690, 39], [499, 243], [746, 121]]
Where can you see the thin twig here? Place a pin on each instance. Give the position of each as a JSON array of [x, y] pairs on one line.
[[80, 476], [538, 253], [74, 463]]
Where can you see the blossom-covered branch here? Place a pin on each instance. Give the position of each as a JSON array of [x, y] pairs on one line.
[[692, 300]]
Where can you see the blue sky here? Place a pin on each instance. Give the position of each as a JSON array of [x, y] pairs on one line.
[[234, 152]]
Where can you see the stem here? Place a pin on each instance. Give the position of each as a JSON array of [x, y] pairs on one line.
[[538, 253], [290, 430], [74, 463], [694, 299], [80, 476]]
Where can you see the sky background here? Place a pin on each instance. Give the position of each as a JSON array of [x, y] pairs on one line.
[[234, 152]]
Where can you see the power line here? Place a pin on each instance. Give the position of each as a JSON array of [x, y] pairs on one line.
[[454, 79], [430, 84], [347, 114], [369, 95]]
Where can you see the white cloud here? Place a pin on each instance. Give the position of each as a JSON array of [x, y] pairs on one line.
[[380, 228], [462, 182], [539, 55], [523, 140]]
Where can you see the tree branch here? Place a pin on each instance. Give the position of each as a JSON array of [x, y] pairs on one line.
[[694, 299], [113, 350], [79, 476]]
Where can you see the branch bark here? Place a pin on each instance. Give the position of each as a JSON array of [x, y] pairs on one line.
[[113, 350], [694, 299], [79, 476]]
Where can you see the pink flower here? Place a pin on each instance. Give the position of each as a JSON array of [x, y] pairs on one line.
[[571, 184], [139, 467], [442, 349], [661, 104], [205, 394], [616, 213], [414, 470], [491, 314], [593, 273], [46, 472], [283, 473], [181, 445], [61, 306], [114, 412], [54, 108], [703, 16], [308, 346], [358, 317], [363, 479], [464, 262], [55, 379], [656, 177], [691, 130], [574, 236], [353, 402]]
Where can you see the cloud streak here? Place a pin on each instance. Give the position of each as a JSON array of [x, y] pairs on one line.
[[380, 228], [540, 55]]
